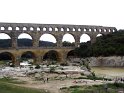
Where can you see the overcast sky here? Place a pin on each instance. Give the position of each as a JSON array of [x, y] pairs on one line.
[[79, 12]]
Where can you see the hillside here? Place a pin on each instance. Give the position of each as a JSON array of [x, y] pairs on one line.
[[108, 45]]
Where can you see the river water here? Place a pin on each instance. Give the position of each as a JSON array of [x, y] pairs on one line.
[[109, 71]]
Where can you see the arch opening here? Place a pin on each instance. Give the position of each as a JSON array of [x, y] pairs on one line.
[[31, 28], [5, 40], [47, 40], [24, 28], [24, 40], [56, 29], [9, 28], [72, 58], [71, 54], [85, 38], [38, 28], [6, 59], [2, 28], [99, 35], [68, 40], [17, 28], [28, 58], [51, 57]]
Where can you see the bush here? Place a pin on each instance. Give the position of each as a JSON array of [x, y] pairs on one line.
[[12, 65], [63, 88], [64, 64], [118, 85], [52, 69], [82, 74], [93, 74], [37, 67], [75, 86]]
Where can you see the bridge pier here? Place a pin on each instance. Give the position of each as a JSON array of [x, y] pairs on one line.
[[35, 41], [59, 40], [93, 38], [77, 40], [39, 60], [14, 42], [16, 60]]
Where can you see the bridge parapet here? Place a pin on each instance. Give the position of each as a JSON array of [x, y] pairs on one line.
[[53, 27]]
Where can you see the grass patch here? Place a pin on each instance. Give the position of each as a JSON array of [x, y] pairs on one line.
[[12, 80], [10, 88], [103, 88], [7, 86], [93, 78]]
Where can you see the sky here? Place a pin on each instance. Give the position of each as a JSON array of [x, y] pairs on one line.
[[78, 12]]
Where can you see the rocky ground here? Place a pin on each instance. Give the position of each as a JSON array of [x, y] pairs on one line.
[[54, 85], [42, 78], [51, 78]]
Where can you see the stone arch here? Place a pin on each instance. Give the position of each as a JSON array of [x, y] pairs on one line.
[[68, 40], [25, 40], [62, 29], [67, 29], [10, 28], [2, 28], [56, 29], [38, 29], [31, 28], [44, 29], [79, 29], [47, 40], [98, 35], [73, 29], [85, 38], [7, 58], [84, 29], [17, 28], [51, 56], [104, 30], [50, 29], [28, 56], [24, 28], [5, 40], [71, 54]]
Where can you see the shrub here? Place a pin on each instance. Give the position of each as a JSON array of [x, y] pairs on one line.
[[52, 69], [75, 86], [82, 74], [37, 67], [12, 65], [64, 64]]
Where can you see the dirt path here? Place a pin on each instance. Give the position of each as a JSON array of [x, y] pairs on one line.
[[55, 85]]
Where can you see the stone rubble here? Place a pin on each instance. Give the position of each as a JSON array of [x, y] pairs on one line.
[[22, 72]]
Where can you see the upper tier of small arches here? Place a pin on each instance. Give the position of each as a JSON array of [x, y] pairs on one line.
[[53, 27]]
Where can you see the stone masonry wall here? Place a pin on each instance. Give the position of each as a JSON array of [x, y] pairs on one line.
[[112, 61]]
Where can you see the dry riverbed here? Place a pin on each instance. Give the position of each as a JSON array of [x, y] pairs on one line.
[[53, 85]]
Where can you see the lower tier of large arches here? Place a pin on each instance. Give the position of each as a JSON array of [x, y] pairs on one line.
[[35, 56]]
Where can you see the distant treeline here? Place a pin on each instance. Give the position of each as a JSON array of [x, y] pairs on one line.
[[106, 45], [4, 43]]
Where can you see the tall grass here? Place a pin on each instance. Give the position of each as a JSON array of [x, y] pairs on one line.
[[9, 87]]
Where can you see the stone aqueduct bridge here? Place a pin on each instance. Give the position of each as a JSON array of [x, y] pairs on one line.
[[57, 30]]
